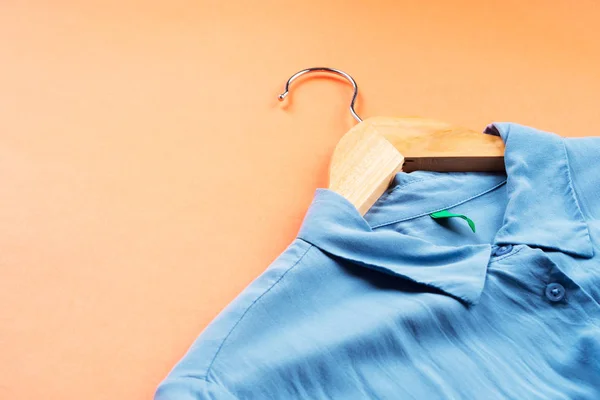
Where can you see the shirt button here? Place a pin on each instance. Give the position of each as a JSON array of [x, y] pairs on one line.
[[502, 250], [555, 292]]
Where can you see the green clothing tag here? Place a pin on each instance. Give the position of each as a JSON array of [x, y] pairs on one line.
[[448, 214]]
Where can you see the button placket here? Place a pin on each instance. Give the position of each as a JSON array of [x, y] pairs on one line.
[[558, 284], [555, 292], [502, 250]]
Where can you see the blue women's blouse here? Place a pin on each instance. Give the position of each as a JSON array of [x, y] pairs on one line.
[[399, 305]]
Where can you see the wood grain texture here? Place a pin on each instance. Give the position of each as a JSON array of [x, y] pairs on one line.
[[149, 172], [431, 145], [362, 166], [371, 153]]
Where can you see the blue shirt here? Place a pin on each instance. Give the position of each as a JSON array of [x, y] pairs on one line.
[[398, 305]]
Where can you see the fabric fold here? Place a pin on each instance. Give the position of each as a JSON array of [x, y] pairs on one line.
[[457, 271]]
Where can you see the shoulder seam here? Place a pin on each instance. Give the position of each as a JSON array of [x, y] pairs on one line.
[[208, 369]]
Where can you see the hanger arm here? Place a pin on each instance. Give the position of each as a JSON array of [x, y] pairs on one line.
[[430, 145], [370, 154], [363, 165]]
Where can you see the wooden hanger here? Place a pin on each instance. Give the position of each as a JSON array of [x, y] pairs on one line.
[[369, 155]]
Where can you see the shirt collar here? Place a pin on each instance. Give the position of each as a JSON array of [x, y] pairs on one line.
[[542, 211]]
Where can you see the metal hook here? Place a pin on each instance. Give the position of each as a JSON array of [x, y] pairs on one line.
[[325, 69]]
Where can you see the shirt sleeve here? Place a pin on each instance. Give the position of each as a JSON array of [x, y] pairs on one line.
[[189, 388], [205, 372]]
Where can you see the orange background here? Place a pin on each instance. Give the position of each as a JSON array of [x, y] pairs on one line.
[[148, 172]]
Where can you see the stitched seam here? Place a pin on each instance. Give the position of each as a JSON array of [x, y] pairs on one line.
[[572, 186], [248, 309], [203, 379], [507, 255], [398, 187], [200, 378], [440, 209]]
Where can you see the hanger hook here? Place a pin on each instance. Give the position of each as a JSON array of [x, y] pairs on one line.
[[325, 69]]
